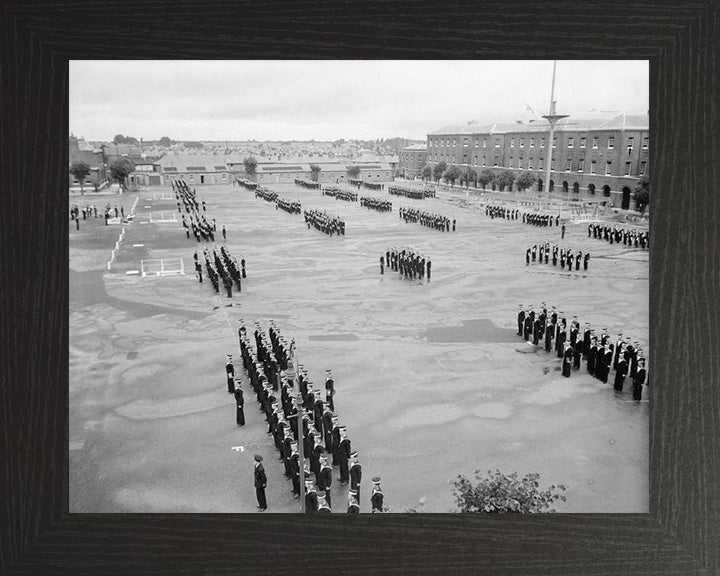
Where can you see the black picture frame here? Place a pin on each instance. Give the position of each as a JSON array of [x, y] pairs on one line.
[[680, 535]]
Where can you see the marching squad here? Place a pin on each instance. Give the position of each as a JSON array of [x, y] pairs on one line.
[[616, 234], [566, 256], [245, 183], [323, 437], [307, 183], [416, 193], [265, 194], [408, 263], [322, 221], [534, 217], [376, 203], [196, 222], [571, 346], [429, 219], [340, 194], [498, 211], [222, 268], [292, 206]]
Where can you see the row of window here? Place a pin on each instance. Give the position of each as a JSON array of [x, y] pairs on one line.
[[520, 164], [521, 142], [202, 177]]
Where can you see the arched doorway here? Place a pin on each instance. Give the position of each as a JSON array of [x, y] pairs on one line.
[[591, 189], [576, 188], [540, 184], [606, 191], [566, 186], [552, 186], [626, 198]]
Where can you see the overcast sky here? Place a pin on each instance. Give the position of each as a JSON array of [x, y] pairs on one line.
[[329, 100]]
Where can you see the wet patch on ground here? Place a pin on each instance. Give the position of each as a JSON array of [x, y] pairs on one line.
[[478, 330]]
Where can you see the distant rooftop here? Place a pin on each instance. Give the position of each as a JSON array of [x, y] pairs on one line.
[[570, 124]]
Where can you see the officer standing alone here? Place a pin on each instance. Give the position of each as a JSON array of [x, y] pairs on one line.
[[260, 483]]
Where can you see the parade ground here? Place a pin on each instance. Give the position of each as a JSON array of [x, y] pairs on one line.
[[431, 379]]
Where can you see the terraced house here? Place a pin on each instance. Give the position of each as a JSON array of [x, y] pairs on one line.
[[590, 158]]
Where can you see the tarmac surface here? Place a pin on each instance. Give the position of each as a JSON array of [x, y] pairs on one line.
[[431, 380]]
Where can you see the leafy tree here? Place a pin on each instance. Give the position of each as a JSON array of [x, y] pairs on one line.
[[452, 174], [80, 170], [165, 141], [486, 177], [315, 169], [526, 180], [438, 169], [121, 168], [505, 179], [250, 165], [426, 172], [642, 193], [193, 144], [353, 171], [500, 493], [468, 175], [120, 139]]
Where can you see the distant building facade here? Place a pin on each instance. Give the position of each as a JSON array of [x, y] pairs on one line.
[[590, 158], [412, 160], [195, 170], [79, 152], [330, 172], [147, 172]]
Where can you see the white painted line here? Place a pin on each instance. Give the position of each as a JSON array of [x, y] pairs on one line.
[[138, 245], [129, 272], [238, 448], [144, 222], [147, 206]]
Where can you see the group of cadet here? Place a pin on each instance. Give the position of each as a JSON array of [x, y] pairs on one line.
[[322, 434], [92, 210], [416, 193], [322, 221], [499, 211], [186, 195], [373, 185], [201, 228], [408, 263], [624, 357], [566, 256], [265, 194], [340, 194], [312, 185], [429, 219], [291, 206], [375, 203], [221, 267], [540, 219], [616, 234]]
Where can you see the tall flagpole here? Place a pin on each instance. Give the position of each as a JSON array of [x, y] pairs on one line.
[[552, 118]]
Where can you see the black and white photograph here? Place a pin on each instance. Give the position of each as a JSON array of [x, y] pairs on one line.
[[359, 286]]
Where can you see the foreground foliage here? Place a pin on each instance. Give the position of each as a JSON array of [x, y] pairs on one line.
[[498, 493]]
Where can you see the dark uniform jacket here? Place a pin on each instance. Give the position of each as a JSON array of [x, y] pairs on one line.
[[260, 478]]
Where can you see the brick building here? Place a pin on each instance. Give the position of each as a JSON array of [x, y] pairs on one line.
[[412, 160], [146, 173], [591, 158], [79, 151], [195, 170]]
